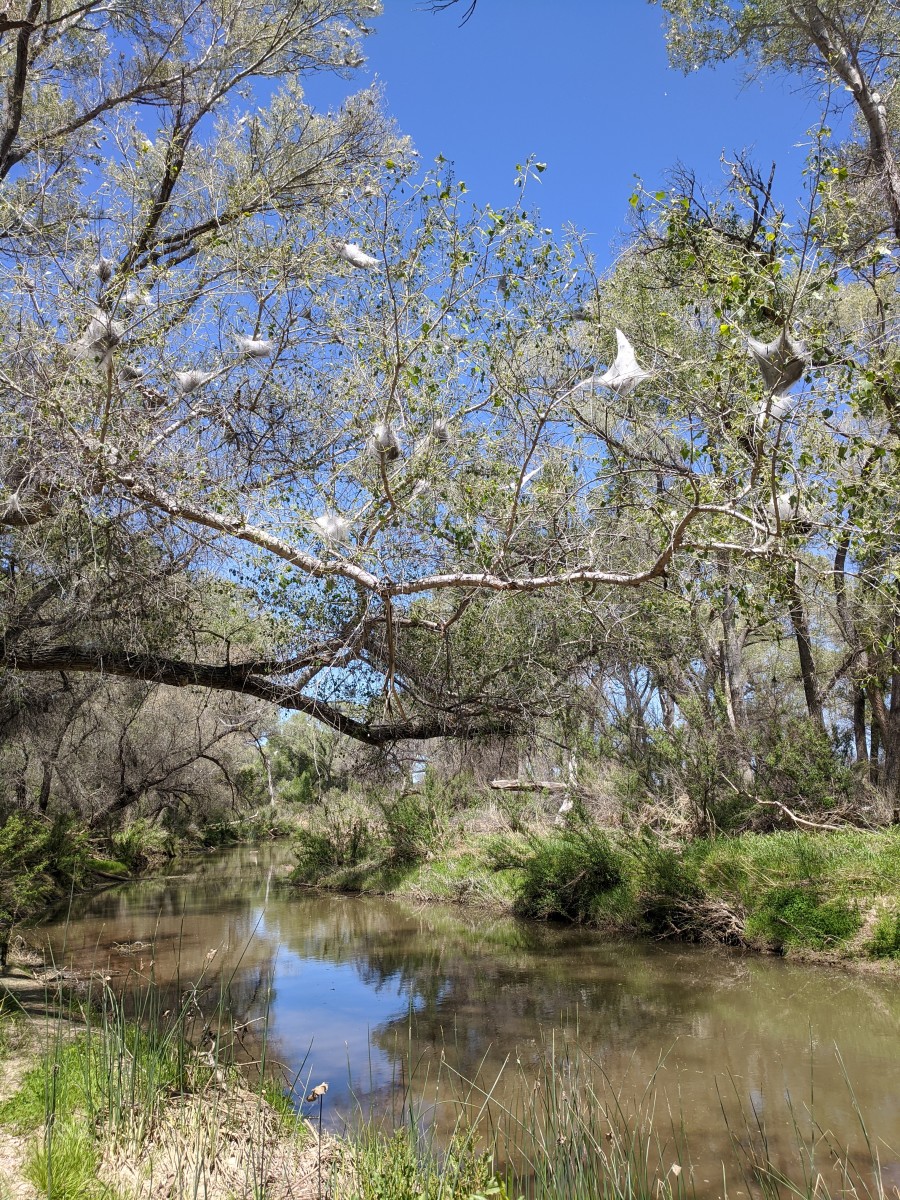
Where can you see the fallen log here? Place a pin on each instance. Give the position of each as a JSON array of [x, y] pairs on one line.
[[529, 785]]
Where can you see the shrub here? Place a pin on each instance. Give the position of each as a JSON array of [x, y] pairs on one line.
[[567, 873], [885, 940], [263, 824], [797, 765], [343, 838], [415, 823], [300, 790], [702, 761], [453, 793]]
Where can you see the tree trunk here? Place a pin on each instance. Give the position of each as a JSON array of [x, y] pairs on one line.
[[46, 782], [732, 647], [874, 754], [859, 726], [808, 671]]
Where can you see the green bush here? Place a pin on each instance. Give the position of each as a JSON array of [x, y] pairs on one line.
[[342, 838], [567, 873], [703, 761], [452, 794], [885, 940], [300, 790], [263, 824], [415, 824], [797, 765]]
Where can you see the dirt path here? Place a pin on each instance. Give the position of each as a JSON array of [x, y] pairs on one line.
[[23, 1037]]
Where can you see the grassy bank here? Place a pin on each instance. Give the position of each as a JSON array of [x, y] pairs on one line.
[[97, 1107], [832, 895]]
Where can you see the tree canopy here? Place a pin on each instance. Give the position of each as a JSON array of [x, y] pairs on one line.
[[289, 416]]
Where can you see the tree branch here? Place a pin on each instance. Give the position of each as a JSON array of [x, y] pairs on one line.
[[153, 668]]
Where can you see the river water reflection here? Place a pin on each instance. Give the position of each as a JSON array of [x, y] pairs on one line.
[[368, 994]]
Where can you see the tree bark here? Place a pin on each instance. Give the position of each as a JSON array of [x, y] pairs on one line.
[[859, 726], [808, 671]]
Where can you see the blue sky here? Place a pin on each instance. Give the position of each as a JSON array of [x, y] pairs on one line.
[[582, 84]]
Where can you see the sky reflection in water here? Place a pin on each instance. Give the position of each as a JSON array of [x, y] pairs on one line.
[[368, 994]]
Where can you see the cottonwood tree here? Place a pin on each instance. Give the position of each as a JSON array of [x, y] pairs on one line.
[[846, 54], [251, 350]]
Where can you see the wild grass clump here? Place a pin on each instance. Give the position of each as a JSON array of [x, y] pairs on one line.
[[885, 938], [65, 1164], [414, 823], [567, 873], [405, 1166], [11, 1028], [508, 851], [797, 916], [342, 837], [142, 844]]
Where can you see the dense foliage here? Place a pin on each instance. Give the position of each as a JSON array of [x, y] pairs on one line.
[[289, 421]]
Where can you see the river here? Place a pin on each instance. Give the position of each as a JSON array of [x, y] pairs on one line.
[[385, 999]]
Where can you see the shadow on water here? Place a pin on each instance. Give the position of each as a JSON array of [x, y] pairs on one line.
[[390, 1001]]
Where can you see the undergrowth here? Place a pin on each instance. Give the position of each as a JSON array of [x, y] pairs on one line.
[[832, 892]]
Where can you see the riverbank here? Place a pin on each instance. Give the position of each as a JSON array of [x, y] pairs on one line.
[[44, 863], [93, 1107], [826, 896]]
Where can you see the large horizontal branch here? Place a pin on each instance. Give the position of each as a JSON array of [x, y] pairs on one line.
[[153, 668], [154, 497]]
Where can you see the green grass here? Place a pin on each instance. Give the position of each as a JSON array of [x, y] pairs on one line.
[[799, 890], [819, 892], [396, 1166], [63, 1165], [58, 1084], [885, 939]]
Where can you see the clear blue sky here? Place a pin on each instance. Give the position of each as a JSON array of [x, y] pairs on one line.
[[582, 84]]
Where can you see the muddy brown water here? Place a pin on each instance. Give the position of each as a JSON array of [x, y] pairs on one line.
[[386, 999]]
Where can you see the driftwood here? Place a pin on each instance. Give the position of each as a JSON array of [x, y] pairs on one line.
[[529, 785]]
